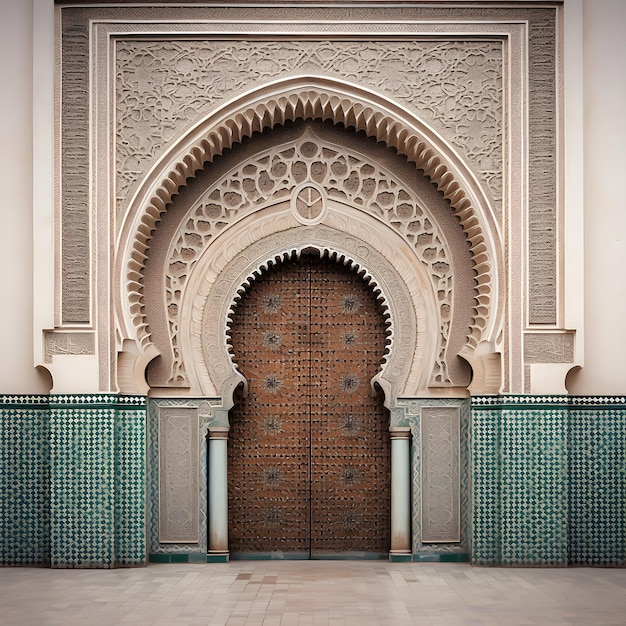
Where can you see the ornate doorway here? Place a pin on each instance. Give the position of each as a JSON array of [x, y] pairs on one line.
[[309, 452]]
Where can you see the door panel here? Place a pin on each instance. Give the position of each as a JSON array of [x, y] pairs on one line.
[[309, 446]]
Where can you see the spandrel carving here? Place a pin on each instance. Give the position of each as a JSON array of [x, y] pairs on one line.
[[163, 88]]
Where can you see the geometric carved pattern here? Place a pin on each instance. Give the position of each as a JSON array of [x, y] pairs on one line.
[[345, 177], [440, 470], [178, 475]]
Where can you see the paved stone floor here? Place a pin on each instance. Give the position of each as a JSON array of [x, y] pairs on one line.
[[313, 592]]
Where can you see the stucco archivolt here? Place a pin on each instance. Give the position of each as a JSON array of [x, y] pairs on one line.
[[343, 176], [229, 267], [311, 98]]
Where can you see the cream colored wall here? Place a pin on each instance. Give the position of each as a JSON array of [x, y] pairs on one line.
[[17, 374], [604, 165], [604, 63]]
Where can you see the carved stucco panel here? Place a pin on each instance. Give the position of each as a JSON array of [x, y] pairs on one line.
[[345, 176], [163, 88], [440, 473], [549, 347], [179, 471], [68, 343]]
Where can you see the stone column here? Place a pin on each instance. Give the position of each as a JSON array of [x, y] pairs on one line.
[[218, 494], [400, 493]]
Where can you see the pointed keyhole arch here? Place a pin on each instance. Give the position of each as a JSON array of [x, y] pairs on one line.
[[309, 458]]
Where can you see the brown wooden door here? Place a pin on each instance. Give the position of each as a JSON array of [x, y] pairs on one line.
[[309, 453]]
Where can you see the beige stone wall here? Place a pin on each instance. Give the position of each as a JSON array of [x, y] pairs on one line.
[[603, 165], [17, 374]]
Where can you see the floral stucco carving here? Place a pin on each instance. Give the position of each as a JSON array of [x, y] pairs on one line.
[[163, 88]]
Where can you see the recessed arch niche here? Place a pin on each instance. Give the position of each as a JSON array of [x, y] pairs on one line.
[[350, 216]]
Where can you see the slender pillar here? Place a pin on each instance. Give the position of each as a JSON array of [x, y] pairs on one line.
[[218, 494], [400, 493]]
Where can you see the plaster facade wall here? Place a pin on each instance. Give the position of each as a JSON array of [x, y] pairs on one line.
[[17, 374], [604, 103]]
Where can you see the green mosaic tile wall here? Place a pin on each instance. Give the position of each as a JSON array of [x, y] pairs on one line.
[[130, 486], [485, 443], [24, 481], [597, 480], [82, 499], [72, 480], [533, 447], [548, 481]]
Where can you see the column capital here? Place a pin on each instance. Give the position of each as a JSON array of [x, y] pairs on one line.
[[400, 432], [218, 432]]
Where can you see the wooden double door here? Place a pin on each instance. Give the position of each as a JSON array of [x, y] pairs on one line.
[[309, 450]]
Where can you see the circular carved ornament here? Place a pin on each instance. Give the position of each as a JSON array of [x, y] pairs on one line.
[[308, 204]]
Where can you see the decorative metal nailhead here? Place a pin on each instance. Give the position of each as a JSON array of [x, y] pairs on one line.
[[349, 339], [272, 383], [350, 425], [349, 519], [273, 476], [272, 303], [350, 303], [272, 340], [273, 516], [273, 425], [350, 475], [349, 383]]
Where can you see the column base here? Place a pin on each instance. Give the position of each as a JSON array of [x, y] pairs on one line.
[[218, 556], [400, 556]]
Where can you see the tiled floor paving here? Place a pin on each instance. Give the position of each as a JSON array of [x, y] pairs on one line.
[[313, 592]]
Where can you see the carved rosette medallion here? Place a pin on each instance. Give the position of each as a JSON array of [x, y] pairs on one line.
[[308, 204]]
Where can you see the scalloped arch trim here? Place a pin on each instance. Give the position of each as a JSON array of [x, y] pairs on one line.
[[323, 99]]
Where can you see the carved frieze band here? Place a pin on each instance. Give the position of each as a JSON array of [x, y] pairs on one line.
[[178, 475], [74, 183], [58, 343], [549, 347], [440, 471], [346, 177]]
